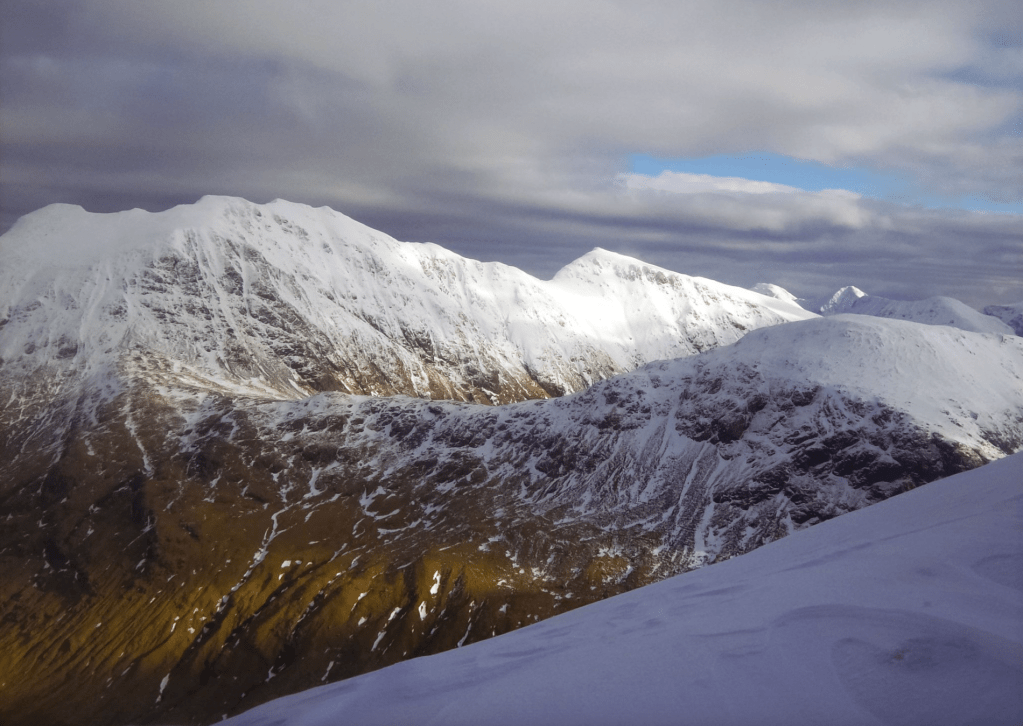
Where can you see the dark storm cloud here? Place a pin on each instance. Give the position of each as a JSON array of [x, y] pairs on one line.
[[503, 132]]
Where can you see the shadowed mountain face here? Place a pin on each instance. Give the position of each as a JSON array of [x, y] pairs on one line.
[[182, 541], [1011, 315]]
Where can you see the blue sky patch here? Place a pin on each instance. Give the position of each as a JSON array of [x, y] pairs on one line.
[[814, 176]]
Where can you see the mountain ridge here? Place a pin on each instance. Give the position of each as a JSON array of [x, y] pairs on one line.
[[239, 548], [285, 300]]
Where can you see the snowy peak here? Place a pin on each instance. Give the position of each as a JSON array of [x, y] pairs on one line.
[[842, 300], [604, 260], [780, 293], [705, 312], [936, 310], [776, 291]]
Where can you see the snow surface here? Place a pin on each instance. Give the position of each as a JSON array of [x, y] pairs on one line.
[[923, 371], [938, 310], [907, 612]]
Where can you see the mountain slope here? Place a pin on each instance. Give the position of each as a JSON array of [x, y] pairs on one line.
[[233, 549], [932, 311], [189, 532], [908, 612]]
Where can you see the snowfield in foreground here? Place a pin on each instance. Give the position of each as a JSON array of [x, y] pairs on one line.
[[908, 612]]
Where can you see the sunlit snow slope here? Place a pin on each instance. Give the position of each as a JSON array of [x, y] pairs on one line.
[[909, 612]]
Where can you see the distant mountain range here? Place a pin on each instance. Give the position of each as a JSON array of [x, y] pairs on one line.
[[938, 310], [248, 449], [932, 311]]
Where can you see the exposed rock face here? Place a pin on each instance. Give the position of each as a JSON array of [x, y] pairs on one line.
[[178, 552]]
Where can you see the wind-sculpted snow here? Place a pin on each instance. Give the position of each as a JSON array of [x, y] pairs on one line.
[[932, 311], [906, 613], [283, 300]]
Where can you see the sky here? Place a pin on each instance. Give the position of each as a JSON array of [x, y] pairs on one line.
[[810, 145]]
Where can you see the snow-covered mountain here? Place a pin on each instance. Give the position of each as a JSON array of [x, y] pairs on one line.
[[202, 511], [936, 310], [780, 293], [842, 300], [905, 613], [285, 300], [1011, 315]]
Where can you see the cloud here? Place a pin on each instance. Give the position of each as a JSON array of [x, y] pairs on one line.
[[504, 131], [685, 183], [745, 204]]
